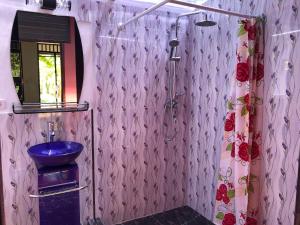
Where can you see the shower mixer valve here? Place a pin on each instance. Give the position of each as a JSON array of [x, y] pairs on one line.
[[174, 44], [171, 103]]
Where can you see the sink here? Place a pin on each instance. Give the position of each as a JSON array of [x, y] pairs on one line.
[[56, 153]]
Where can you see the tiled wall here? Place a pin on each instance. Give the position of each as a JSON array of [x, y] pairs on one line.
[[281, 115], [138, 172], [209, 74], [212, 57], [17, 134]]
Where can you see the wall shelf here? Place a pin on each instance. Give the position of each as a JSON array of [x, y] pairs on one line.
[[31, 108]]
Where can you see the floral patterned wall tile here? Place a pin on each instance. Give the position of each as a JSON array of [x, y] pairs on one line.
[[138, 172], [281, 114], [209, 75], [84, 10], [280, 153]]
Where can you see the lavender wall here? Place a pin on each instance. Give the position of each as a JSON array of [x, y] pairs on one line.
[[211, 53], [137, 172], [281, 114], [18, 132], [211, 74]]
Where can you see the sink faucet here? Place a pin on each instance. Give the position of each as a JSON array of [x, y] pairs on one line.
[[51, 132]]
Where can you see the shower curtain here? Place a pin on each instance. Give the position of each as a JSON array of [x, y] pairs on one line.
[[238, 180]]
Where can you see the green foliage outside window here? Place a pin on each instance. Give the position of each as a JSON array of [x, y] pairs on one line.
[[15, 64], [50, 78]]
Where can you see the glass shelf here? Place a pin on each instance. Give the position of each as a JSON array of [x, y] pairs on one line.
[[30, 108]]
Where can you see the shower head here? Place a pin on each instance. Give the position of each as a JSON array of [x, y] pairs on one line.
[[206, 22], [174, 44]]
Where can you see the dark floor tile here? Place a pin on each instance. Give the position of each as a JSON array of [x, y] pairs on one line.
[[179, 216], [199, 220]]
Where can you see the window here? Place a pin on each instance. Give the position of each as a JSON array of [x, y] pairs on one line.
[[16, 68], [50, 74]]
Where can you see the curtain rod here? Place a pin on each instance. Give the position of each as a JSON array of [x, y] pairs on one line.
[[183, 3]]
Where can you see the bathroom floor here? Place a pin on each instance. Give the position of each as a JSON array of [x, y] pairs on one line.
[[179, 216]]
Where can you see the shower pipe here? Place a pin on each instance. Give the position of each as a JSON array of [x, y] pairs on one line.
[[172, 95], [183, 3], [183, 15]]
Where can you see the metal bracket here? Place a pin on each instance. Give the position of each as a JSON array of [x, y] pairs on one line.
[[30, 108]]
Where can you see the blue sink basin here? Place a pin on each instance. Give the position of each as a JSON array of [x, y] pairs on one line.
[[55, 153]]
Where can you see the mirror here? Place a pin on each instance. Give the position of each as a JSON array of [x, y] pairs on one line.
[[46, 59]]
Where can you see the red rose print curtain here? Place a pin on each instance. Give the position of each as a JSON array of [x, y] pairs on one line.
[[238, 180]]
